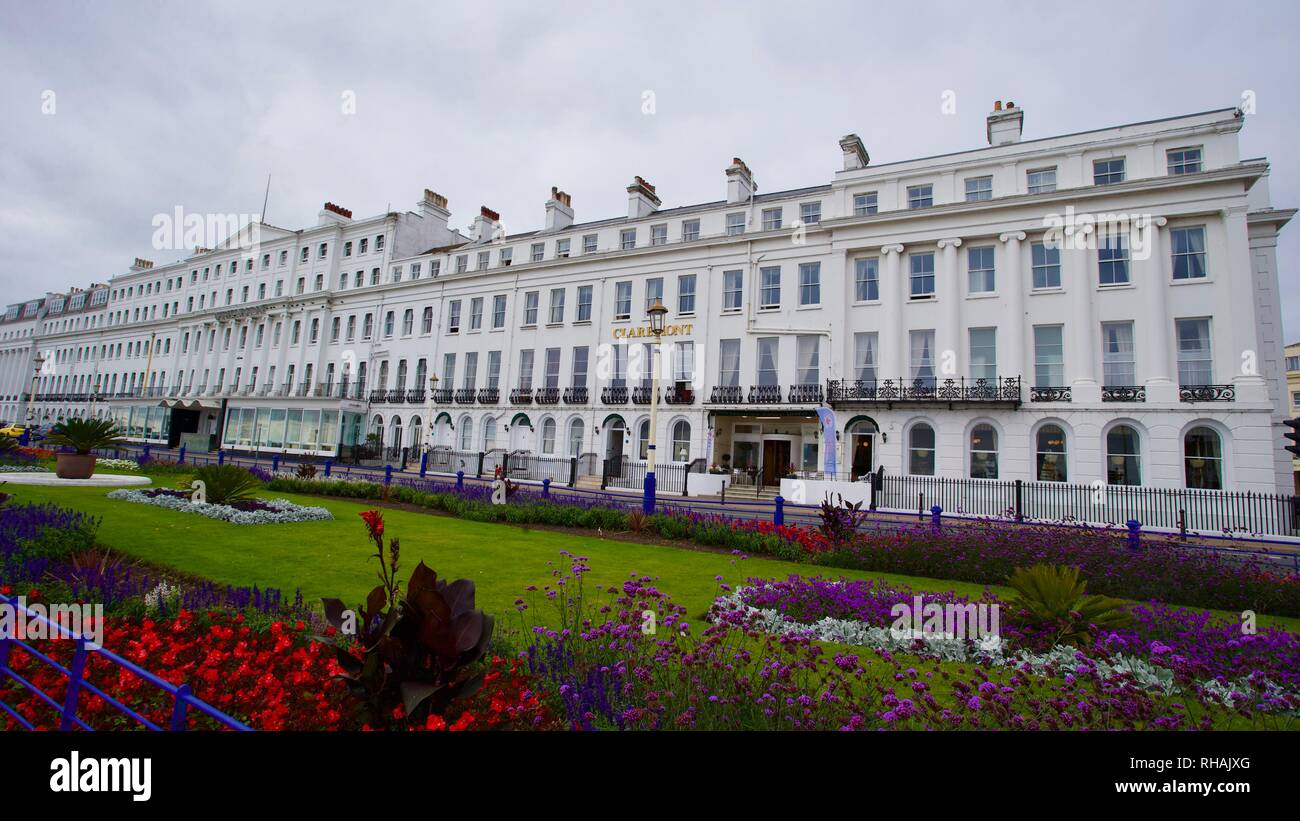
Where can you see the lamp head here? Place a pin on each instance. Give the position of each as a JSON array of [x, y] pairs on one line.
[[657, 312]]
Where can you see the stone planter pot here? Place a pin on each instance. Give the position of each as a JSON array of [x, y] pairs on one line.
[[74, 466]]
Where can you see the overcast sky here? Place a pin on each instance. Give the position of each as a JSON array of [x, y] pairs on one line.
[[192, 104]]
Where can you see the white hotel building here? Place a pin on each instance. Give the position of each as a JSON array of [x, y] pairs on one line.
[[924, 302]]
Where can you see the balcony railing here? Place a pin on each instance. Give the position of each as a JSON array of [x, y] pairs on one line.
[[443, 396], [548, 396], [764, 394], [806, 394], [614, 395], [727, 395], [396, 396], [464, 396], [575, 396], [489, 396], [679, 395], [265, 390], [1123, 393], [642, 395], [415, 396], [1048, 393], [304, 390], [521, 396], [379, 397], [1005, 389], [1207, 393]]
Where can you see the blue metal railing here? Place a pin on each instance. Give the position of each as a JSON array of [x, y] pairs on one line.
[[182, 699]]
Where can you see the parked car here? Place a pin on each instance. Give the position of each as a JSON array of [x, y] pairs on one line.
[[13, 430]]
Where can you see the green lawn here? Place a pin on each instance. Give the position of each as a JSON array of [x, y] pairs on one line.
[[330, 558]]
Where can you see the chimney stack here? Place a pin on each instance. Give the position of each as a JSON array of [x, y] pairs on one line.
[[141, 265], [740, 181], [486, 224], [641, 199], [333, 213], [434, 206], [559, 210], [855, 153], [1005, 124]]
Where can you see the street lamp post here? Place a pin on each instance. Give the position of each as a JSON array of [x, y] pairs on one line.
[[656, 312], [428, 419], [38, 363]]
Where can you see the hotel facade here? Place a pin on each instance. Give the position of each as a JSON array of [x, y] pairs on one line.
[[1094, 307]]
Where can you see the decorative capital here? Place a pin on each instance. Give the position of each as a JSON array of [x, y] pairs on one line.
[[891, 249], [951, 242], [1018, 236]]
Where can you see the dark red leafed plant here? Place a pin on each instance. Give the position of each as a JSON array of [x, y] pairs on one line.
[[408, 657]]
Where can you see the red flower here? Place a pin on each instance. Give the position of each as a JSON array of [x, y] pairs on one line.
[[374, 522]]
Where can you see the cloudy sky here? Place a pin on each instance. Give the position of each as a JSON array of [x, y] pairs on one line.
[[192, 104]]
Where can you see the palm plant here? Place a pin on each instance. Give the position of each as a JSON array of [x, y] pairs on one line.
[[224, 484], [1055, 598], [86, 435]]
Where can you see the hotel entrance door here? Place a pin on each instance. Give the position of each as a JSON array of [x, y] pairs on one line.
[[776, 460]]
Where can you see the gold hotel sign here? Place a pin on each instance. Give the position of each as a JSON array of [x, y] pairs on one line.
[[643, 331]]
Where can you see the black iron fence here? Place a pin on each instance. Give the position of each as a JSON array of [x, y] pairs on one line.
[[630, 474]]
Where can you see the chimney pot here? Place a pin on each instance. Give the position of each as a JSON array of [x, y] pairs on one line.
[[488, 213], [1005, 125], [740, 181]]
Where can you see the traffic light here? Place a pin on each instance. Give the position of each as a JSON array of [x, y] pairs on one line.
[[1293, 436]]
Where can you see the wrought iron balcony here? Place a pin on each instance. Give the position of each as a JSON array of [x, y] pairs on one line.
[[642, 395], [248, 390], [443, 396], [1047, 393], [304, 390], [764, 394], [575, 396], [548, 396], [679, 395], [265, 390], [521, 396], [199, 391], [1123, 393], [489, 396], [396, 396], [1207, 393], [464, 396], [379, 397], [612, 395], [806, 394], [727, 395], [1004, 390]]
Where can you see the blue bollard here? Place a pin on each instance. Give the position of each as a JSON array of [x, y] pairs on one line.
[[180, 457], [935, 513], [221, 457], [460, 480], [648, 497], [1134, 534], [424, 464], [778, 511], [329, 465], [388, 474], [546, 488]]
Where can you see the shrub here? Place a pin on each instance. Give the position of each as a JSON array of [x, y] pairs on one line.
[[1055, 600], [306, 471], [227, 483], [86, 435]]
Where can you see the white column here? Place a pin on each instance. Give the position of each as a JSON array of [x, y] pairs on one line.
[[893, 336], [1013, 332], [948, 337], [1154, 283], [1240, 362], [1081, 352]]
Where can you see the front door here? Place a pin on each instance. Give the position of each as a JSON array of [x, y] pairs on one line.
[[776, 460], [861, 461]]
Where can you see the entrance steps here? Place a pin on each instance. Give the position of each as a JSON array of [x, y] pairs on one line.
[[752, 492]]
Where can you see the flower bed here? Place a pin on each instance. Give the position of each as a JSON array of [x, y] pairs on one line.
[[1164, 649], [118, 464], [246, 512], [23, 469], [980, 551]]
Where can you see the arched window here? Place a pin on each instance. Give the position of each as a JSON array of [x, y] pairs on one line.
[[1203, 459], [1051, 454], [395, 428], [643, 438], [983, 452], [417, 432], [548, 436], [682, 441], [1123, 456], [575, 437], [408, 322], [377, 427], [489, 433], [920, 450], [466, 433]]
